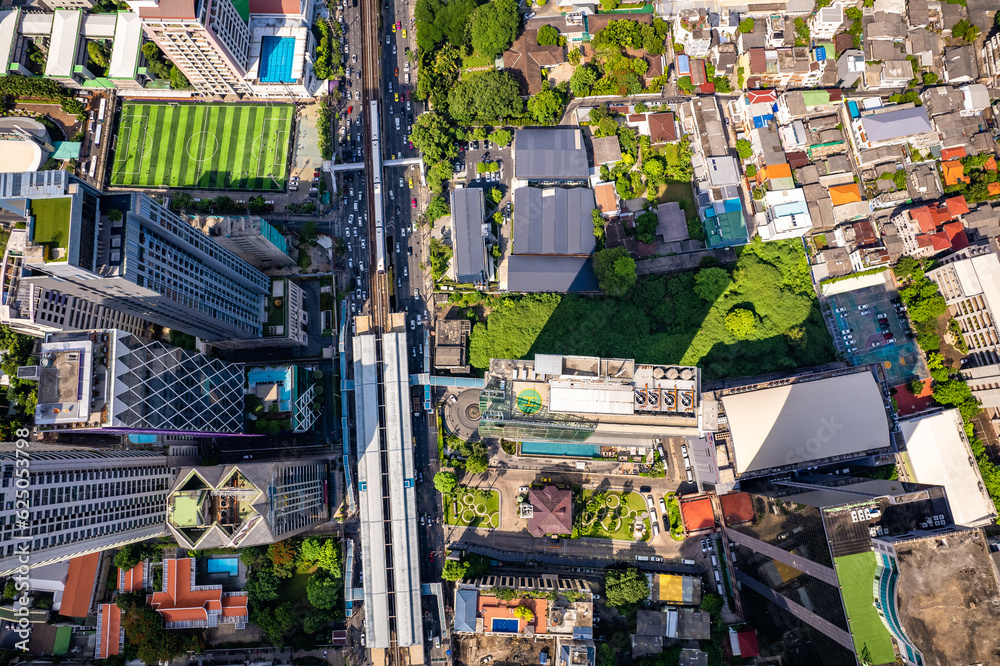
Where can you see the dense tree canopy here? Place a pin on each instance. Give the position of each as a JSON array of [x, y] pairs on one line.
[[434, 136], [624, 588], [445, 482], [454, 570], [439, 21], [547, 36], [324, 553], [323, 591], [615, 271], [486, 97], [494, 27], [583, 79], [546, 106], [711, 282], [741, 322]]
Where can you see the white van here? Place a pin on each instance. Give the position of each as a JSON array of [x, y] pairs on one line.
[[397, 123]]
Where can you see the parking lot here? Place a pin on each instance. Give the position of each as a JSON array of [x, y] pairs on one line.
[[870, 326]]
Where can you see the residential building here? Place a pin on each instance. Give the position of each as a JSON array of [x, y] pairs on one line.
[[185, 605], [607, 150], [795, 104], [693, 30], [786, 215], [576, 399], [662, 128], [248, 504], [526, 58], [674, 589], [891, 126], [971, 288], [67, 31], [655, 628], [991, 59], [479, 611], [551, 510], [787, 67], [129, 254], [850, 67], [208, 40], [250, 238], [936, 587], [825, 23], [82, 502], [888, 74], [931, 229], [960, 64], [451, 340], [34, 311], [469, 235], [110, 381], [798, 560]]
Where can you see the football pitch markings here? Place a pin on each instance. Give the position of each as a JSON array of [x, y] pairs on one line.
[[203, 146]]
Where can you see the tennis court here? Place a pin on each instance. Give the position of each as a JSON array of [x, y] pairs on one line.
[[203, 146], [858, 311]]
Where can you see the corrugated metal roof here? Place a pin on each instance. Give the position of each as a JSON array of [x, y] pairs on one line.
[[554, 221], [550, 153], [896, 124], [467, 213], [538, 274], [591, 398]]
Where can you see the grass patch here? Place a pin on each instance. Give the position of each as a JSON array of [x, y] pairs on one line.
[[674, 515], [856, 574], [294, 588], [603, 525], [225, 146], [475, 508], [662, 319], [475, 61], [51, 221]]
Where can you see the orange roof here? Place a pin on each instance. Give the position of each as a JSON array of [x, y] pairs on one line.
[[955, 231], [109, 638], [737, 508], [183, 603], [993, 189], [953, 153], [697, 514], [940, 241], [990, 164], [953, 172], [131, 580], [778, 171], [957, 205], [605, 194], [286, 7], [491, 608], [80, 580], [845, 194]]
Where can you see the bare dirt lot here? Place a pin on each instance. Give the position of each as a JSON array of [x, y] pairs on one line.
[[503, 649]]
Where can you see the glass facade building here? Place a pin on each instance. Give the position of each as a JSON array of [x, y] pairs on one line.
[[521, 417]]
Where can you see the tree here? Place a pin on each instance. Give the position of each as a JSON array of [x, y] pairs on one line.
[[548, 36], [494, 27], [741, 323], [177, 79], [646, 223], [323, 553], [501, 137], [615, 271], [434, 136], [711, 283], [486, 97], [496, 196], [323, 591], [454, 570], [624, 588], [308, 232], [262, 586], [316, 621], [583, 79], [283, 556], [440, 256], [598, 221], [437, 208], [746, 25], [546, 106], [744, 149], [131, 554], [711, 603], [99, 53], [930, 78], [477, 463], [445, 482], [524, 613], [277, 623]]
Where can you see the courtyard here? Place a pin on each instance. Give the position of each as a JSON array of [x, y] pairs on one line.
[[613, 515], [473, 507]]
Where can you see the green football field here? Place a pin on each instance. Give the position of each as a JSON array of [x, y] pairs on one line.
[[203, 146], [856, 574]]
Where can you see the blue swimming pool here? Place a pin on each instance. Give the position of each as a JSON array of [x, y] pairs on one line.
[[229, 565], [142, 439], [505, 626], [276, 57], [571, 449]]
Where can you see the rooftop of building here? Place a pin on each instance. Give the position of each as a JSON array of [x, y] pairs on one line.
[[49, 225], [553, 511], [467, 214], [896, 124], [553, 221], [550, 153], [948, 597], [769, 423]]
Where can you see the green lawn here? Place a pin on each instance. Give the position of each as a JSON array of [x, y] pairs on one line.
[[856, 574], [475, 61], [604, 524], [203, 146], [679, 192], [476, 508], [51, 221]]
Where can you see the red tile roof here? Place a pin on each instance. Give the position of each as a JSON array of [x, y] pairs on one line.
[[748, 643], [762, 96], [606, 201], [697, 514], [183, 603], [798, 159], [79, 590], [109, 637], [957, 206], [132, 579], [553, 511], [737, 508], [758, 62], [953, 153], [990, 164], [955, 231], [662, 127]]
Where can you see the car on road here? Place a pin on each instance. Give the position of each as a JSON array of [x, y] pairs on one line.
[[846, 331], [397, 247], [406, 272], [393, 49], [387, 39], [396, 71], [350, 109], [432, 556], [349, 248], [400, 182], [394, 27], [413, 204], [410, 180], [399, 24], [354, 58], [396, 96], [523, 489], [404, 33]]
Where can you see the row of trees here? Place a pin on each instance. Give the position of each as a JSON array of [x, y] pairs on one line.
[[21, 396], [222, 205], [328, 57]]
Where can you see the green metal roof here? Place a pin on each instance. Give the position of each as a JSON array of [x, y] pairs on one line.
[[61, 644], [815, 97]]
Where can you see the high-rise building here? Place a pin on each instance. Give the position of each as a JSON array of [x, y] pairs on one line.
[[112, 381], [250, 504], [805, 566], [209, 40], [134, 256], [80, 502], [251, 239], [32, 310], [969, 283]]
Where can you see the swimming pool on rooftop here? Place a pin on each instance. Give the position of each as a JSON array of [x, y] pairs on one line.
[[276, 57], [569, 449]]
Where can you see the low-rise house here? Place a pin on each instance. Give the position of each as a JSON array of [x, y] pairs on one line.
[[662, 127], [825, 23], [933, 229], [960, 64], [888, 74], [848, 204], [607, 150], [897, 125], [923, 45], [795, 104], [786, 215], [693, 30], [850, 67], [526, 58]]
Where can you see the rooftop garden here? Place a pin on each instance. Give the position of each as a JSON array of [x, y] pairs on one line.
[[51, 225]]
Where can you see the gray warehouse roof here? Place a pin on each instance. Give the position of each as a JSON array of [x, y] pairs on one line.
[[550, 274], [550, 153], [554, 221], [465, 609], [467, 212], [895, 124]]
